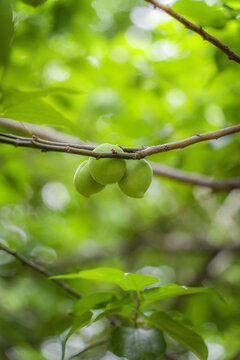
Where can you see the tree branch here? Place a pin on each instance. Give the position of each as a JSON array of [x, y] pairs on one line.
[[197, 29], [92, 346], [196, 179], [41, 270], [214, 135], [129, 152], [45, 132]]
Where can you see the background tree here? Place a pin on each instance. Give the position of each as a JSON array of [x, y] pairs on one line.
[[79, 73]]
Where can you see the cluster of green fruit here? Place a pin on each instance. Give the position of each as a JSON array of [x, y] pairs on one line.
[[133, 176]]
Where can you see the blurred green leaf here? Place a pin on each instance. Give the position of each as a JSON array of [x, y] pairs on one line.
[[137, 343], [34, 3], [172, 290], [13, 97], [179, 332], [6, 30], [92, 300], [37, 111], [201, 13], [127, 281]]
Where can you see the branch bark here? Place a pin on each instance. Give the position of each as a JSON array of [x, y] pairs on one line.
[[41, 270], [129, 153], [214, 135], [197, 29], [196, 179]]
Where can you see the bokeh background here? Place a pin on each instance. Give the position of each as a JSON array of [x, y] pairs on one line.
[[129, 75]]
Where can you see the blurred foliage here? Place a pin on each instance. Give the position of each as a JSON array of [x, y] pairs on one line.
[[121, 72]]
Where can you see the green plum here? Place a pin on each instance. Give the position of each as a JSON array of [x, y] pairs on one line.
[[107, 171], [137, 178], [83, 181]]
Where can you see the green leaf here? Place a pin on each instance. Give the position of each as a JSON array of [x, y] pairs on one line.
[[6, 30], [172, 290], [12, 97], [36, 111], [201, 13], [91, 301], [137, 343], [179, 332], [127, 281], [80, 322], [124, 311]]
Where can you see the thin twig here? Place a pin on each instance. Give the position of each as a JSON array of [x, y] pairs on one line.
[[214, 135], [92, 346], [129, 153], [197, 29], [40, 269], [196, 179]]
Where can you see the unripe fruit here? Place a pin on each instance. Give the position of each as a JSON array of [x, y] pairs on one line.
[[107, 171], [83, 181], [137, 178]]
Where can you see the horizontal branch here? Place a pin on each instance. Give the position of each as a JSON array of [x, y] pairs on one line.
[[214, 135], [41, 270], [129, 153], [196, 179], [197, 29]]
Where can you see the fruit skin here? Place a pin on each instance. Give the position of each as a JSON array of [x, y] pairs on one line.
[[107, 171], [137, 178], [83, 181]]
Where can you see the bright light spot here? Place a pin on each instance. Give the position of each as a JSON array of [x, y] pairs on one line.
[[104, 23], [94, 329], [220, 142], [138, 38], [90, 248], [176, 97], [147, 18], [44, 254], [111, 356], [163, 50], [220, 263], [51, 350], [211, 2], [105, 97], [55, 195], [165, 274], [17, 230], [119, 54], [214, 115], [75, 344], [93, 61], [215, 351], [56, 72], [168, 2]]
